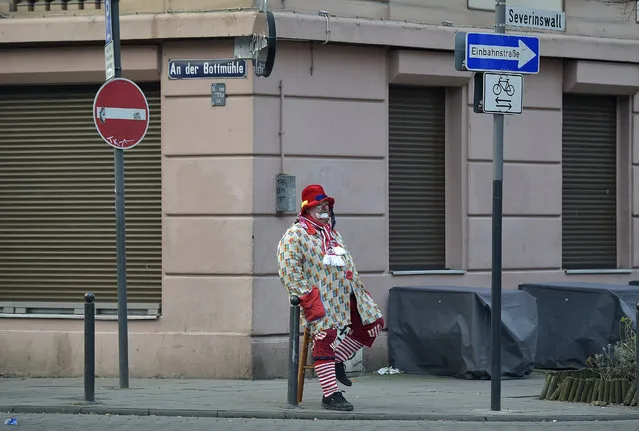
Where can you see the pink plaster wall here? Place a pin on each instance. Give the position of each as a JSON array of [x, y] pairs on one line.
[[219, 165]]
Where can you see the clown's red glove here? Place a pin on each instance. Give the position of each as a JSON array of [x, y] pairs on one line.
[[312, 305]]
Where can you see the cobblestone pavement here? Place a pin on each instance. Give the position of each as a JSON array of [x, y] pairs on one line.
[[60, 422]]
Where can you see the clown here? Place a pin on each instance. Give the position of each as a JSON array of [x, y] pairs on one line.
[[315, 265]]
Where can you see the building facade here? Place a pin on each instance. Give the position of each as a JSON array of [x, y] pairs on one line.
[[364, 100]]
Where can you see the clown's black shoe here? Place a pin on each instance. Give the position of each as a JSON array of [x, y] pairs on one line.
[[340, 374], [336, 402]]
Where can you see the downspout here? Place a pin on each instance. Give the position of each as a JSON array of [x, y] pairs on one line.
[[281, 131]]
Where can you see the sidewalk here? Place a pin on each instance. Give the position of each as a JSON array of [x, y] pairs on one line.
[[375, 397]]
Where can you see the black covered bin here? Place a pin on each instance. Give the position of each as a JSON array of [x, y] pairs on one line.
[[577, 319], [445, 330]]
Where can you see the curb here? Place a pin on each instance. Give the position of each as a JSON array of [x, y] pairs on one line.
[[312, 415]]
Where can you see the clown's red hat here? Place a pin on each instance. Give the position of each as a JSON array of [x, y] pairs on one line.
[[313, 195]]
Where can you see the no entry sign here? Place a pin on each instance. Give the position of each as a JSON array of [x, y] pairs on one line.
[[121, 113]]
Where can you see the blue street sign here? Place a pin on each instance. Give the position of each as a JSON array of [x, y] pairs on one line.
[[219, 68], [107, 22], [498, 52]]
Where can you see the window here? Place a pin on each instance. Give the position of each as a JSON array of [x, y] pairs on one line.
[[57, 224], [589, 165], [417, 211]]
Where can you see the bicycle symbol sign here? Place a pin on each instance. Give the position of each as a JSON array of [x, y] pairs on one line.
[[503, 84], [503, 93]]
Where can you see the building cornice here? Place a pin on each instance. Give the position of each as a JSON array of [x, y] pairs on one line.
[[298, 26], [135, 27], [293, 26]]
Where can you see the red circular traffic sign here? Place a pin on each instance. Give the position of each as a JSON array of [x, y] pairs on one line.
[[121, 113]]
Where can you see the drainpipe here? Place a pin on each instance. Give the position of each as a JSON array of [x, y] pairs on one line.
[[284, 184], [281, 131]]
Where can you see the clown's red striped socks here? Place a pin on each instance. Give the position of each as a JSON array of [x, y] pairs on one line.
[[326, 373], [347, 348]]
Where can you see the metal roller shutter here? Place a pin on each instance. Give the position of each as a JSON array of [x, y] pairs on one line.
[[417, 212], [589, 162], [57, 207]]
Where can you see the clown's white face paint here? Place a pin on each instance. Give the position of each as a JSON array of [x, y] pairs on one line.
[[320, 213]]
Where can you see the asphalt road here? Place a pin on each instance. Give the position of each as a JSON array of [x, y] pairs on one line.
[[59, 422]]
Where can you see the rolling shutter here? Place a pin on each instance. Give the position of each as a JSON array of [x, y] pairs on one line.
[[417, 211], [589, 163], [57, 206]]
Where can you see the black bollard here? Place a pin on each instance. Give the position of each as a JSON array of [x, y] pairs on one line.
[[89, 347], [293, 350]]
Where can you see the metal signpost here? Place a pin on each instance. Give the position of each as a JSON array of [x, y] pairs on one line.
[[495, 285], [499, 60], [121, 116]]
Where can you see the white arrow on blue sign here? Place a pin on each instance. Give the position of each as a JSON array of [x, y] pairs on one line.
[[498, 52]]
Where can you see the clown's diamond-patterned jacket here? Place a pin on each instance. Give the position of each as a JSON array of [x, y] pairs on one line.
[[300, 267]]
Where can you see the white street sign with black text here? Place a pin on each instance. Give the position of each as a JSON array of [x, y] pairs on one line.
[[535, 18], [503, 93], [109, 61]]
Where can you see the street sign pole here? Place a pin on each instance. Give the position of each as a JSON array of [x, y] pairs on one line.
[[120, 227], [499, 60], [498, 170]]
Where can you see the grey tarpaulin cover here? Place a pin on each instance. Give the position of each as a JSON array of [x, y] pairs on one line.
[[577, 319], [445, 330]]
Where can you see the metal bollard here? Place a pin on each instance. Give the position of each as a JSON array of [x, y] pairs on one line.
[[294, 351], [637, 350], [89, 347]]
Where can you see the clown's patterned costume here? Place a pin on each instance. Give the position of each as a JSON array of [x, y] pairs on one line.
[[300, 265], [314, 264]]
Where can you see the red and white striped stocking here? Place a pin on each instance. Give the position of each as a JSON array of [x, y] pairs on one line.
[[347, 348], [325, 370]]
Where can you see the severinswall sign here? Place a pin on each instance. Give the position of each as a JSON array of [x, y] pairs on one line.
[[535, 18]]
